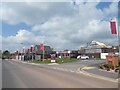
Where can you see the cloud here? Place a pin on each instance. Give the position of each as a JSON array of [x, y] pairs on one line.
[[69, 32], [39, 12], [59, 25], [14, 41], [21, 39], [33, 12]]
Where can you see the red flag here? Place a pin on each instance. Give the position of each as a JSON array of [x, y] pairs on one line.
[[42, 46], [113, 26], [31, 48], [23, 50]]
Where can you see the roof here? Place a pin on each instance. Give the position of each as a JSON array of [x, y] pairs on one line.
[[102, 45]]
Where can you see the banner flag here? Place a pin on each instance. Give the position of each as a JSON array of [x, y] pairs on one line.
[[23, 51], [42, 46], [31, 48], [113, 26]]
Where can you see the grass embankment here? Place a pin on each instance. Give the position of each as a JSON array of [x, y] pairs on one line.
[[58, 60], [40, 61]]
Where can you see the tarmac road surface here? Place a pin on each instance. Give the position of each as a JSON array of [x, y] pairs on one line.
[[20, 75]]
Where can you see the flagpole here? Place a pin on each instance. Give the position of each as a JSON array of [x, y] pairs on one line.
[[31, 50], [118, 39], [117, 25], [32, 53], [118, 35], [114, 26], [43, 51], [43, 55]]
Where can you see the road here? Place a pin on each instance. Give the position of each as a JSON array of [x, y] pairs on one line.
[[20, 75]]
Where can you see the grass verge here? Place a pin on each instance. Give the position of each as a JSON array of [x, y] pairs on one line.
[[58, 60]]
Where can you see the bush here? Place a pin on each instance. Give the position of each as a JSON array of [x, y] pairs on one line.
[[100, 66], [119, 63], [105, 66], [111, 66]]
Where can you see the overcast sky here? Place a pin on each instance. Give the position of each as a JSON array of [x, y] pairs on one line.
[[61, 25]]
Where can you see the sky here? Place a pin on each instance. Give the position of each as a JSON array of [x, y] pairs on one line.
[[61, 25]]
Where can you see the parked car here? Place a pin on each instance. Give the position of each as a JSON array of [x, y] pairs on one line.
[[78, 57], [84, 57]]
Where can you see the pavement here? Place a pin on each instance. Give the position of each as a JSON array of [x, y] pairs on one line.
[[103, 74], [24, 75]]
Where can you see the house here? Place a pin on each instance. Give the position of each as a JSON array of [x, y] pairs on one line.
[[67, 54], [74, 53], [96, 49], [47, 51], [36, 54], [63, 54]]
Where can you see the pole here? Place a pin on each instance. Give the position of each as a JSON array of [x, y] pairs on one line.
[[23, 50], [43, 55], [32, 56], [42, 49], [23, 56], [118, 29], [31, 50], [117, 33], [118, 39]]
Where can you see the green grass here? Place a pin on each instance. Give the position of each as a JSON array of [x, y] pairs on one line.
[[58, 60], [39, 61]]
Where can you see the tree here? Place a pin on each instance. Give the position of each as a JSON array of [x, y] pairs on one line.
[[6, 54]]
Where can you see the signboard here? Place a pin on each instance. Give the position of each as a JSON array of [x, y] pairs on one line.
[[103, 55], [52, 59]]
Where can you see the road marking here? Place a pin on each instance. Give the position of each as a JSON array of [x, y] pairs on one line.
[[72, 71], [53, 64], [11, 62], [24, 62], [64, 69], [88, 67]]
